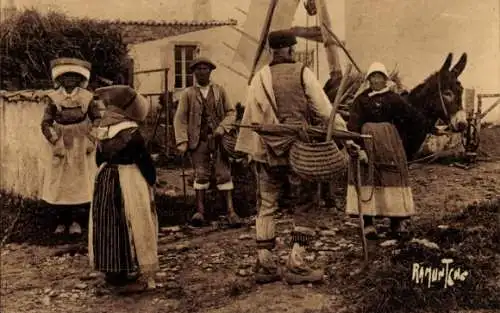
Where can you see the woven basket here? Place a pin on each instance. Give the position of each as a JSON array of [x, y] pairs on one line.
[[320, 161], [229, 143]]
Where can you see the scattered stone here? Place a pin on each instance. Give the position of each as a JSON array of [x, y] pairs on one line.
[[351, 224], [355, 272], [94, 275], [46, 300], [175, 269], [245, 237], [425, 243], [443, 226], [161, 274], [243, 273], [179, 235], [81, 286], [327, 233], [475, 229], [47, 290], [52, 293], [183, 247], [205, 266], [318, 244], [172, 229], [389, 243], [310, 258]]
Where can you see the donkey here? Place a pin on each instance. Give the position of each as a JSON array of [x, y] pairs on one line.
[[438, 97]]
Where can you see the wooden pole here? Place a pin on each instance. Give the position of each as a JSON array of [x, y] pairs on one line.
[[263, 37], [329, 43], [167, 115], [336, 102], [360, 209]]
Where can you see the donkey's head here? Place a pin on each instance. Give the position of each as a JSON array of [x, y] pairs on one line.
[[440, 95]]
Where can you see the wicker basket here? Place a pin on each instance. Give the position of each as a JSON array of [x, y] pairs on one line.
[[320, 161], [229, 143]]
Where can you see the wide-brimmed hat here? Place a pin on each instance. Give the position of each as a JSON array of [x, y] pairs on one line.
[[281, 39], [377, 67], [202, 60], [133, 105], [62, 66]]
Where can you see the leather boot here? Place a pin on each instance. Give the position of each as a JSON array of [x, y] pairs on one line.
[[370, 230], [297, 272], [398, 227], [234, 219], [198, 218], [267, 269]]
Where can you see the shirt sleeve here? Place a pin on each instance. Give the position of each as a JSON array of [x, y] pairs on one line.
[[321, 105]]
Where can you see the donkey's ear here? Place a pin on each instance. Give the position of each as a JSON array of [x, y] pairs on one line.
[[447, 63], [460, 66]]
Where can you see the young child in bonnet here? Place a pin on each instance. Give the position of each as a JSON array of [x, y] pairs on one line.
[[123, 224]]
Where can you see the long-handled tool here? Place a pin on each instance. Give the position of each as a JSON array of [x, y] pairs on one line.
[[360, 208], [184, 156]]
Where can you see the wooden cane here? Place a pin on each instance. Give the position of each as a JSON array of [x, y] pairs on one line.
[[360, 210]]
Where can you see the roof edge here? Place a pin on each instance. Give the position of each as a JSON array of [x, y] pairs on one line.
[[174, 22]]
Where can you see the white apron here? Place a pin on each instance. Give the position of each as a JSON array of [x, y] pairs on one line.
[[69, 175]]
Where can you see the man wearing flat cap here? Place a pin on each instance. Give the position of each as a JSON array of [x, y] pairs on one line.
[[283, 92], [203, 116]]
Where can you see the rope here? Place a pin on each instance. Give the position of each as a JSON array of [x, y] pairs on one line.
[[371, 172]]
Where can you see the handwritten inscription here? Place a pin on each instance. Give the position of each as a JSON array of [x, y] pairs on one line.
[[420, 274]]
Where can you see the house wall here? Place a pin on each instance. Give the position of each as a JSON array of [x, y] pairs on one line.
[[416, 36], [24, 152], [160, 53]]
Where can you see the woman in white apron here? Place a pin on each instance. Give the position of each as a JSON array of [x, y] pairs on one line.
[[69, 116], [387, 193], [123, 224]]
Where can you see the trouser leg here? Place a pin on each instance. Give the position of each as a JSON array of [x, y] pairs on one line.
[[201, 164], [225, 185], [269, 189]]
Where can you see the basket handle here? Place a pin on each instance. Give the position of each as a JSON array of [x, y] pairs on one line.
[[336, 103]]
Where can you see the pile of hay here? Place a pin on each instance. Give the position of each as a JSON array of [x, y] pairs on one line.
[[470, 239], [30, 40]]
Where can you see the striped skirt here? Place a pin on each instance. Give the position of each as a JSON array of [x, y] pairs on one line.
[[123, 226]]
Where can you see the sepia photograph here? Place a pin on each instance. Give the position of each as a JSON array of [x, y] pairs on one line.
[[250, 156]]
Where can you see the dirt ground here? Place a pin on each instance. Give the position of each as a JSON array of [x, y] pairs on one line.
[[210, 270]]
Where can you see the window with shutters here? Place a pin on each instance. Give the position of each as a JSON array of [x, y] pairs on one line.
[[184, 54]]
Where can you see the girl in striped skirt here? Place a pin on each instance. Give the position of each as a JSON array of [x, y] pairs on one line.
[[123, 225]]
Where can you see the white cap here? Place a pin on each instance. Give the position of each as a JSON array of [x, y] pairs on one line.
[[70, 65], [377, 67]]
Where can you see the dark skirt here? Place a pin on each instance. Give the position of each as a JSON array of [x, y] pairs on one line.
[[111, 241], [385, 191]]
